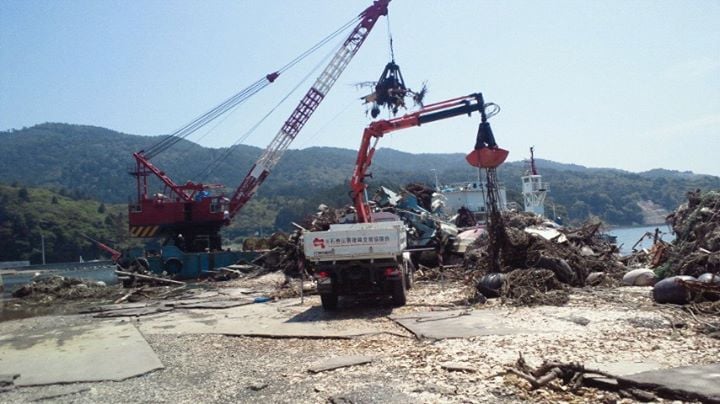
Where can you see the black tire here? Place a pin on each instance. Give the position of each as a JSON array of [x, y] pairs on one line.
[[329, 301], [143, 266], [173, 266], [399, 295]]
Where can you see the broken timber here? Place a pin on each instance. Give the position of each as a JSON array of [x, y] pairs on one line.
[[149, 278]]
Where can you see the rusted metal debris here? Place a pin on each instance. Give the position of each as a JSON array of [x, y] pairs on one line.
[[390, 92]]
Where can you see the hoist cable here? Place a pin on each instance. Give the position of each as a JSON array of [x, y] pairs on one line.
[[235, 100], [390, 38], [202, 120], [215, 163], [318, 45]]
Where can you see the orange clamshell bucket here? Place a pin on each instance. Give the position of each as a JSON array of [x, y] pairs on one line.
[[487, 157]]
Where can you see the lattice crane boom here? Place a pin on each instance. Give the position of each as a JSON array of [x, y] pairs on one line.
[[307, 106], [189, 209]]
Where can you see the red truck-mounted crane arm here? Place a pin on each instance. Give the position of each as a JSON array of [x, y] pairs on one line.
[[309, 103], [486, 154]]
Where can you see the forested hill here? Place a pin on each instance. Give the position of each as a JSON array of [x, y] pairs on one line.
[[30, 217], [93, 163]]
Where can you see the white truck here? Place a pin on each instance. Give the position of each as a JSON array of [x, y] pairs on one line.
[[360, 259], [369, 256]]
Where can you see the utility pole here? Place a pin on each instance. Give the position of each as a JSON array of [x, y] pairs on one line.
[[437, 183], [42, 243]]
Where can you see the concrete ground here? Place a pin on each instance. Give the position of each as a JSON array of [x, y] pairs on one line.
[[444, 351]]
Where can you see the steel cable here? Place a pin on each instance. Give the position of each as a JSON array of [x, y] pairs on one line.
[[235, 100]]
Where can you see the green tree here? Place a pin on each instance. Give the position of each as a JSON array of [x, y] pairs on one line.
[[23, 194]]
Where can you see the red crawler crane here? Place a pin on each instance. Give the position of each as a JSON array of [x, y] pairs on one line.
[[189, 209]]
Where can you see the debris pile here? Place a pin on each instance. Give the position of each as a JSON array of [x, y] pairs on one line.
[[696, 249], [533, 286], [60, 287], [324, 217], [575, 379], [539, 260], [647, 258], [423, 193], [286, 254], [690, 265]]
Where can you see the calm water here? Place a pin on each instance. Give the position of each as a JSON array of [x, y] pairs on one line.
[[11, 311], [628, 236]]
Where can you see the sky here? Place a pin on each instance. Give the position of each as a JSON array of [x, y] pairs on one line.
[[632, 84]]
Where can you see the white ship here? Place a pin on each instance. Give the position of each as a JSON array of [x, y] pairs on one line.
[[472, 195], [449, 198], [534, 190]]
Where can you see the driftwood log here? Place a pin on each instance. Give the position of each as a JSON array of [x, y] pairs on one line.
[[575, 375], [149, 278]]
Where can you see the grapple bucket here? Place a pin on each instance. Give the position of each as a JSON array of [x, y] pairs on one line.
[[487, 157]]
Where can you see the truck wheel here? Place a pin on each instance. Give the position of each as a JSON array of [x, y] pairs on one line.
[[329, 301], [398, 292]]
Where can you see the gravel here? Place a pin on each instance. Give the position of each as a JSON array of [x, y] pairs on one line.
[[622, 325]]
